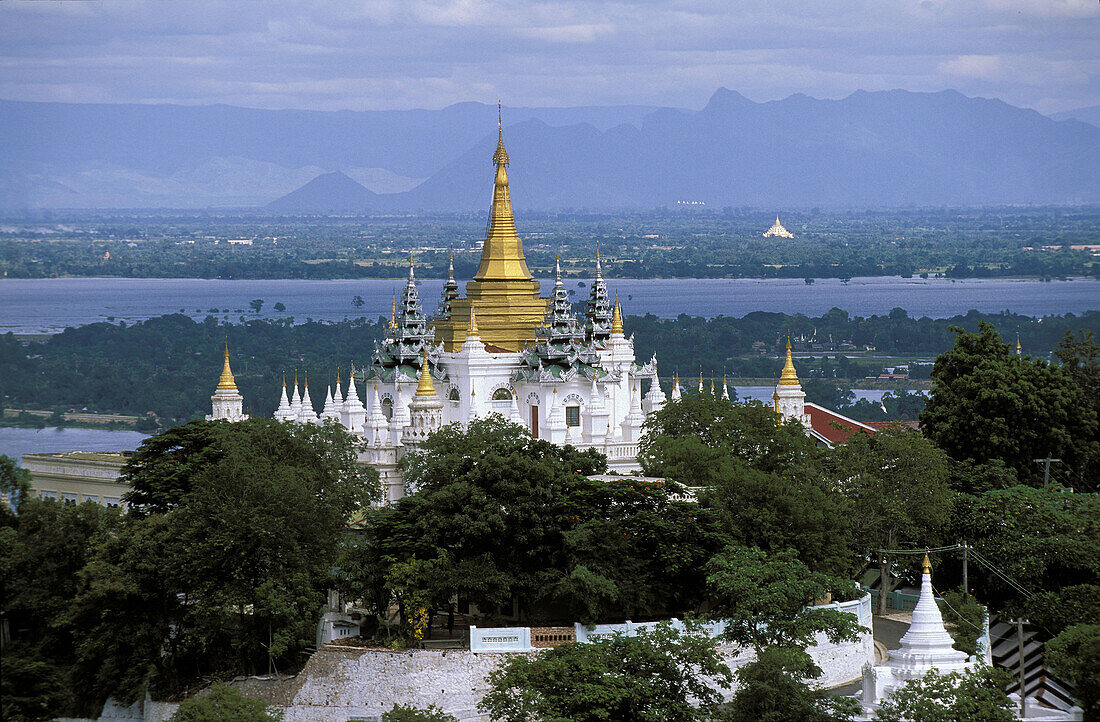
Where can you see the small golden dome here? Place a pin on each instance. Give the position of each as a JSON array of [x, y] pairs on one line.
[[789, 377], [617, 318]]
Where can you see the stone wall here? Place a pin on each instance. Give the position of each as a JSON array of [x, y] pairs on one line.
[[342, 683]]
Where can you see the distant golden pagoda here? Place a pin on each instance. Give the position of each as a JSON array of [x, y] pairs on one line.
[[503, 295]]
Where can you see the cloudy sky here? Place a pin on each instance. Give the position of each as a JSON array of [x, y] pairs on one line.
[[383, 54]]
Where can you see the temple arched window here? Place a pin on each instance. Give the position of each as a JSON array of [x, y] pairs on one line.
[[453, 396], [387, 408], [502, 394]]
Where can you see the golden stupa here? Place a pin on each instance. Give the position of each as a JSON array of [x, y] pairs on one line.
[[503, 294]]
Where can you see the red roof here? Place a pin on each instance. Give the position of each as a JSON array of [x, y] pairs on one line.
[[833, 427]]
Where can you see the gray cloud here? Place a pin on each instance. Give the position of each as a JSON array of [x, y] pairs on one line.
[[426, 53]]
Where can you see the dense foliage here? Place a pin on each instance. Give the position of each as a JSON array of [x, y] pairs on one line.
[[652, 676], [223, 704], [1074, 655], [498, 515], [221, 568], [974, 696], [989, 404]]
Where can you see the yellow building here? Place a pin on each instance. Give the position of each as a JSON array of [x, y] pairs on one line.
[[73, 477]]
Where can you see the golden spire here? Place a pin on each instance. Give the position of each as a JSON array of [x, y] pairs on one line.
[[617, 318], [675, 379], [1019, 348], [789, 377], [227, 382], [425, 389], [502, 253], [472, 332], [712, 387], [393, 312], [926, 566]]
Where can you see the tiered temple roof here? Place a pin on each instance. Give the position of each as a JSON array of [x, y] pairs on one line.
[[778, 231], [408, 339]]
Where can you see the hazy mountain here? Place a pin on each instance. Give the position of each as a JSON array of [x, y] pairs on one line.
[[328, 193], [870, 149], [891, 148], [1089, 115]]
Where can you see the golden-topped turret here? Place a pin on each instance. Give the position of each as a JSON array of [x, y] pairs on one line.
[[505, 295], [926, 566], [789, 377], [227, 382], [425, 389], [617, 318]]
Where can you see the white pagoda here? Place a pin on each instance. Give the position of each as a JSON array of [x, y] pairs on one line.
[[778, 231], [926, 646], [502, 349]]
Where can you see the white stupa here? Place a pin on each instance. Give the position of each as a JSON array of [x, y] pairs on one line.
[[778, 231], [926, 646]]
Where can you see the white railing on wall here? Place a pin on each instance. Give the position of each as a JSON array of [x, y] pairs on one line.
[[518, 639]]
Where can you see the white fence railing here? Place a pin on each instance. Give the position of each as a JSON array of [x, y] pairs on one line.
[[518, 639]]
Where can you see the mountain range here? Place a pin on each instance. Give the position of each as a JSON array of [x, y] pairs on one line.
[[870, 149]]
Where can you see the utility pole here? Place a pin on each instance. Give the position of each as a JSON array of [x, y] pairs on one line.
[[1020, 652], [1046, 468], [966, 582]]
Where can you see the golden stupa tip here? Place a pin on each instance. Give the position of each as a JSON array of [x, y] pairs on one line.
[[617, 318], [926, 566], [393, 312], [226, 381], [789, 377], [425, 389]]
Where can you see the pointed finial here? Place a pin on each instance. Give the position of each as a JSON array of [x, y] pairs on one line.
[[425, 389], [789, 377], [926, 566], [284, 380], [410, 265], [500, 157], [617, 318], [393, 311], [557, 268], [226, 381]]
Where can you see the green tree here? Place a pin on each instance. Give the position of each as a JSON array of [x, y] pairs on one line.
[[1074, 655], [407, 713], [684, 436], [898, 483], [31, 689], [767, 600], [15, 483], [280, 306], [510, 516], [651, 676], [1044, 539], [256, 304], [974, 696], [771, 689], [223, 704], [776, 513], [236, 568], [1079, 355], [988, 403]]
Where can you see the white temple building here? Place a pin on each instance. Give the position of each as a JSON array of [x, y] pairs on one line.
[[227, 403], [503, 349], [777, 231]]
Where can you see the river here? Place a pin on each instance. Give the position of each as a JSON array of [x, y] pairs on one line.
[[15, 442], [50, 305]]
